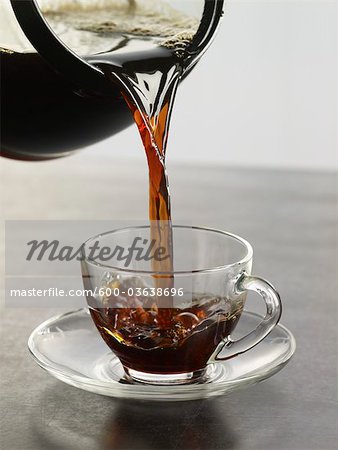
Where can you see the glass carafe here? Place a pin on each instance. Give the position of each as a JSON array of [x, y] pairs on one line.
[[53, 99]]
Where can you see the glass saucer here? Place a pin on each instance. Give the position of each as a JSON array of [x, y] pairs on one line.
[[71, 349]]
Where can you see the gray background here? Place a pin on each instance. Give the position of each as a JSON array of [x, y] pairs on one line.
[[291, 220], [267, 87]]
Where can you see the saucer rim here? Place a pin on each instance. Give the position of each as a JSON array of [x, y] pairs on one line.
[[116, 388]]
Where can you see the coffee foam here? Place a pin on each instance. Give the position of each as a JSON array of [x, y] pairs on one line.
[[89, 26]]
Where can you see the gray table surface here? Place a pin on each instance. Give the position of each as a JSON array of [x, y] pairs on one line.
[[291, 218]]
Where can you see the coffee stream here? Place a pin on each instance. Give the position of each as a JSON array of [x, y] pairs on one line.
[[149, 88], [153, 126]]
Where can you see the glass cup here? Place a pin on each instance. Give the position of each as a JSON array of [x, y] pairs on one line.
[[169, 313]]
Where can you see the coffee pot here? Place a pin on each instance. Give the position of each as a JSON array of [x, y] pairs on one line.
[[53, 100]]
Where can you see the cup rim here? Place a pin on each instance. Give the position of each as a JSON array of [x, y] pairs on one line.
[[244, 260]]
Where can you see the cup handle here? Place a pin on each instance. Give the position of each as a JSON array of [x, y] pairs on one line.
[[273, 312]]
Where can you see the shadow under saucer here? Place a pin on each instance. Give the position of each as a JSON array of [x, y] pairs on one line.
[[87, 421]]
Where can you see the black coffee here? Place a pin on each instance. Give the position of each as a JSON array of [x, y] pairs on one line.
[[44, 116], [145, 342]]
